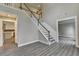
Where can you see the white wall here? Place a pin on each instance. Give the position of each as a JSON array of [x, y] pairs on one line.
[[26, 30], [67, 30]]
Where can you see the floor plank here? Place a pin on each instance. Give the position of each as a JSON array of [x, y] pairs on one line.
[[62, 48]]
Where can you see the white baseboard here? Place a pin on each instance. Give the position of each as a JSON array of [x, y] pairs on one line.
[[44, 42], [77, 46], [28, 43]]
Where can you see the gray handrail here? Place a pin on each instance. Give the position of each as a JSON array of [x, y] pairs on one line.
[[44, 27]]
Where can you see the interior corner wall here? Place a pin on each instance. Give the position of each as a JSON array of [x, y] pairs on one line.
[[26, 30]]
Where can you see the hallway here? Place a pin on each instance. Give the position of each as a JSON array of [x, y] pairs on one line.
[[9, 34], [9, 43], [40, 49]]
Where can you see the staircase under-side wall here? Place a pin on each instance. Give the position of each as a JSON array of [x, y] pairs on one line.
[[45, 29]]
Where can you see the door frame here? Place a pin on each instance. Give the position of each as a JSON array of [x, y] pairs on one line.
[[16, 22], [15, 28], [76, 29]]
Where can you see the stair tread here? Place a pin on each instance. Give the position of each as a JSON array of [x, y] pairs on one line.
[[52, 40]]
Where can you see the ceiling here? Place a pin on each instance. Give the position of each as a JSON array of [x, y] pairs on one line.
[[67, 21], [7, 15], [34, 5]]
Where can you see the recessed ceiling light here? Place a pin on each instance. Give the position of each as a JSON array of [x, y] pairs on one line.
[[8, 15]]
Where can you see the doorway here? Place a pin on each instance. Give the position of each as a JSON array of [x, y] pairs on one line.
[[67, 30], [8, 30], [8, 34]]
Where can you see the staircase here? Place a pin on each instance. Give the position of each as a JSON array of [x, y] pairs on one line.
[[47, 34], [36, 14]]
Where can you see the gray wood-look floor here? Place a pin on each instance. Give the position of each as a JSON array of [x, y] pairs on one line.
[[63, 48]]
